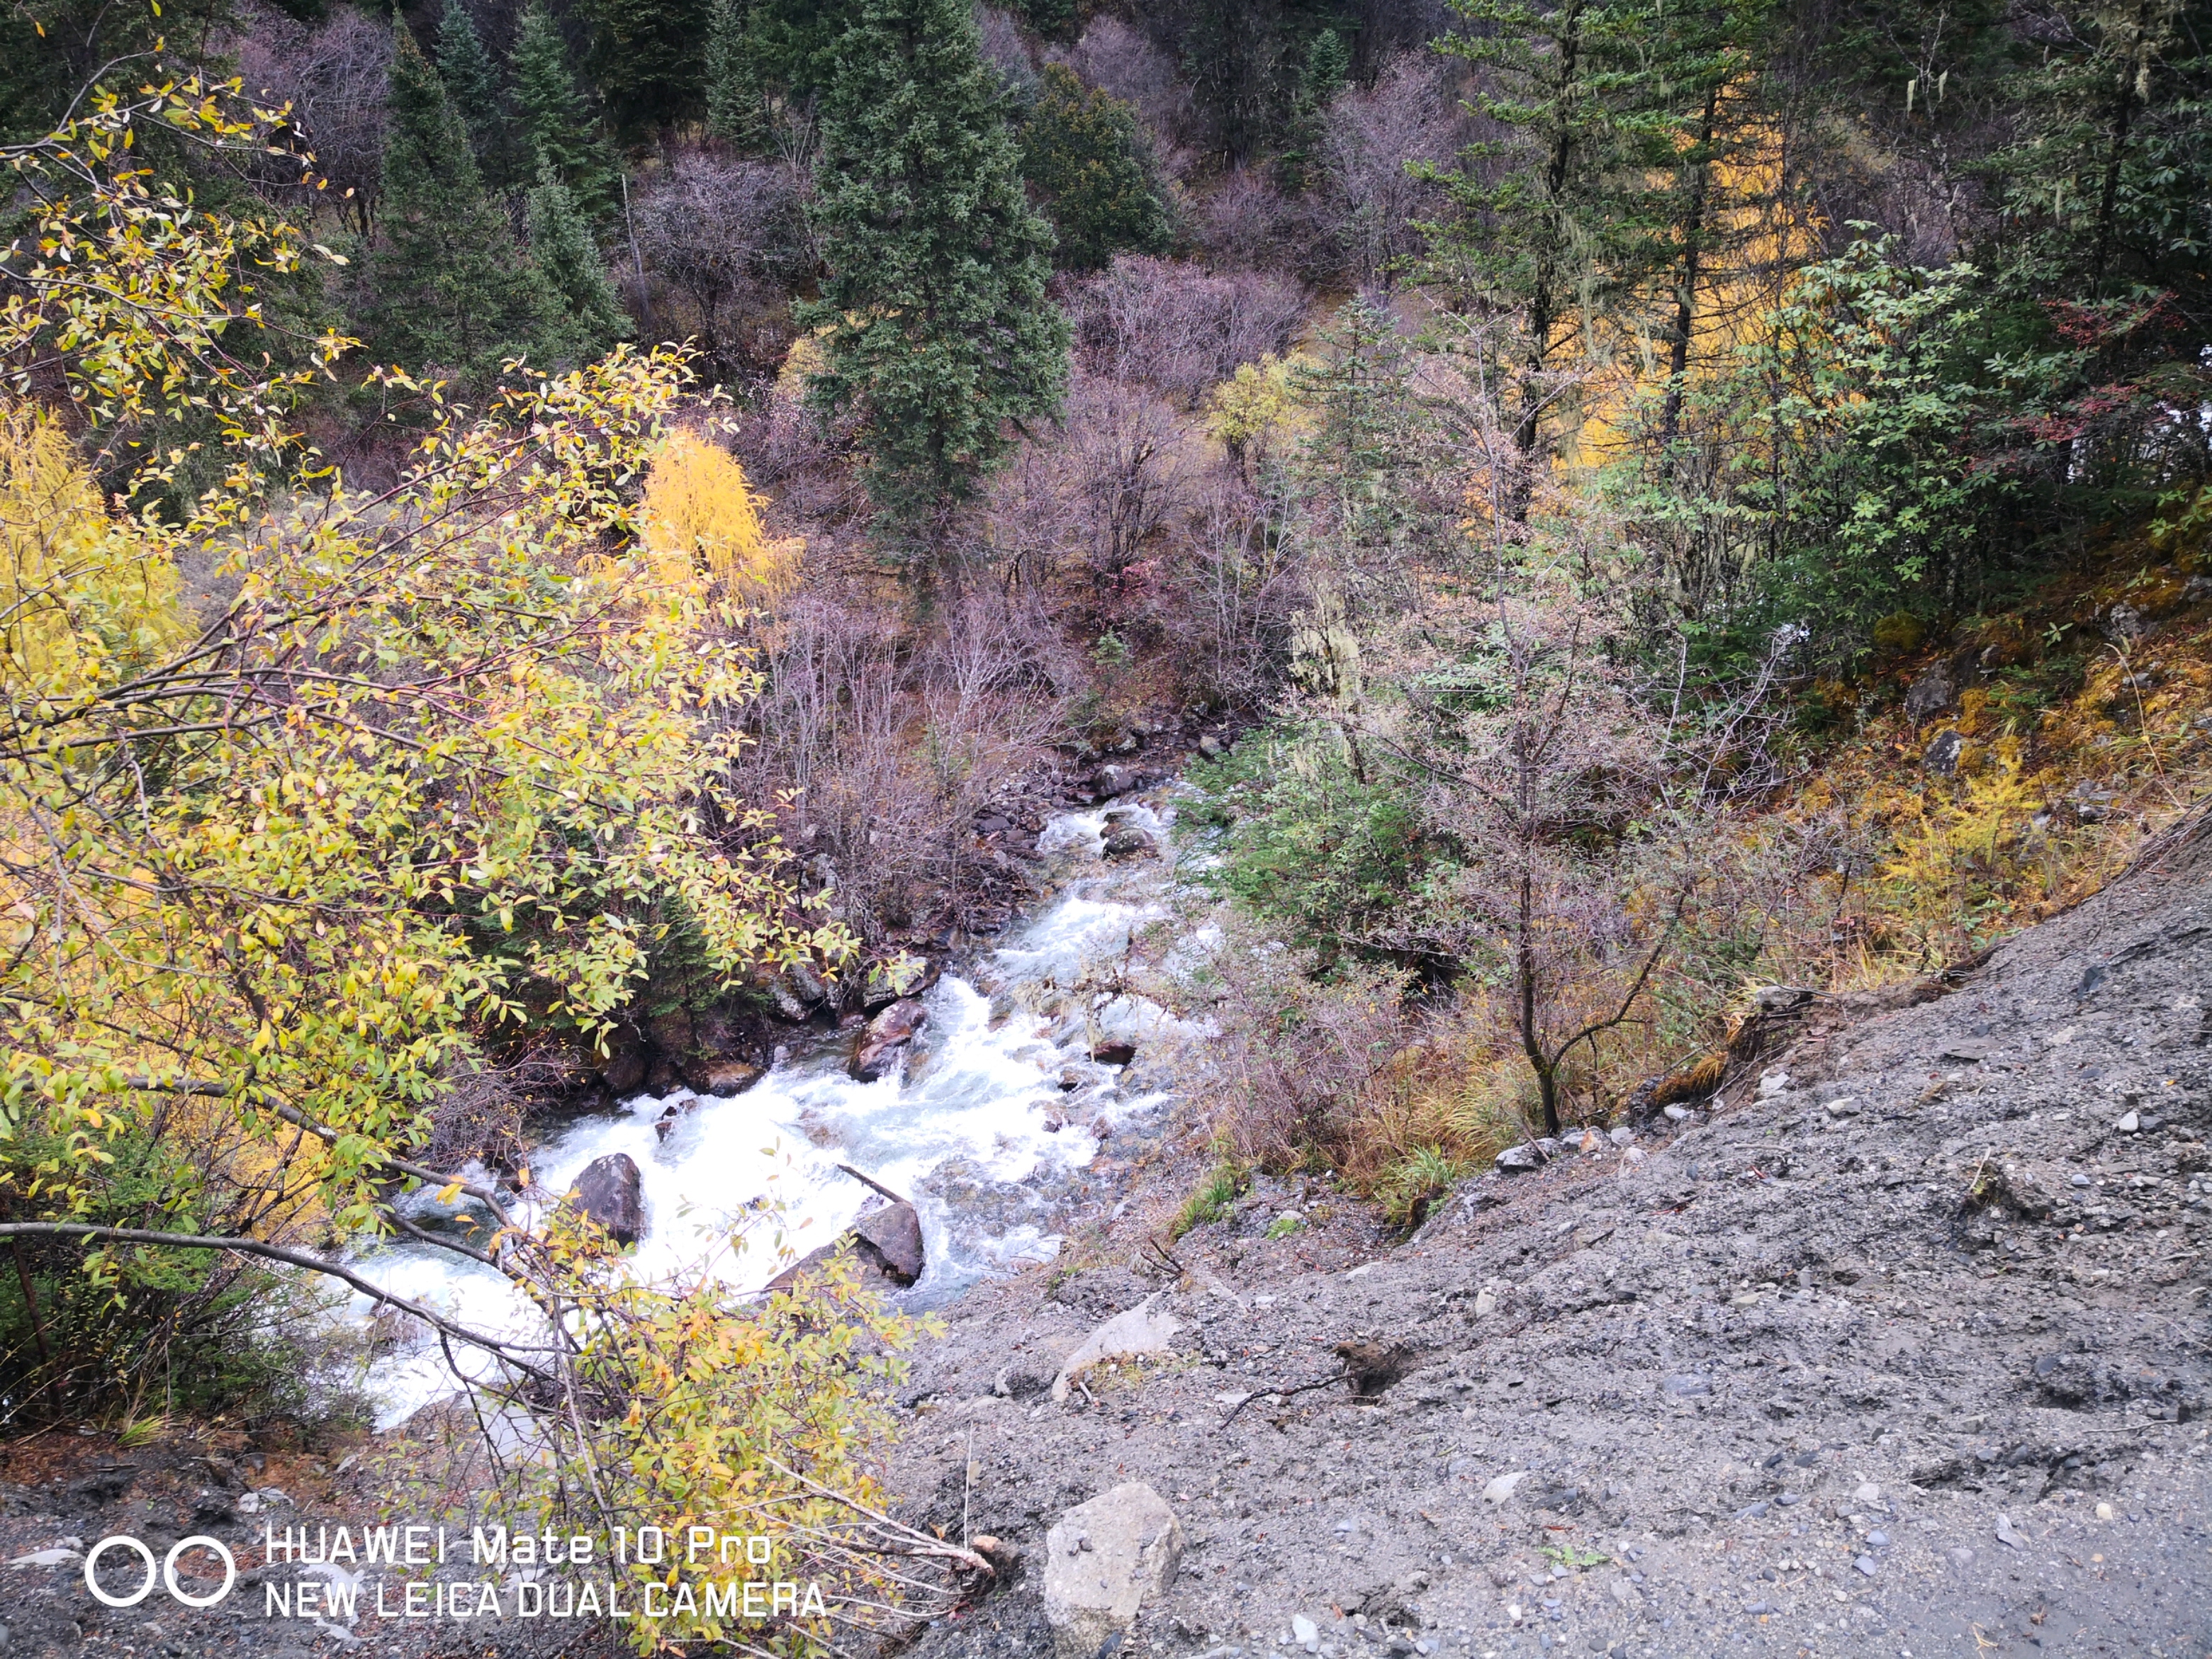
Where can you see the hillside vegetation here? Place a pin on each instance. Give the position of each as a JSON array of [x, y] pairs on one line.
[[543, 541]]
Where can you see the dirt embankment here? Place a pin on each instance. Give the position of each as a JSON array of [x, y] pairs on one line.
[[1902, 1351]]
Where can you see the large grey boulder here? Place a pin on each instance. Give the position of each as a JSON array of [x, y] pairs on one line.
[[883, 1044], [611, 1191], [886, 1246], [893, 1235], [1103, 1560]]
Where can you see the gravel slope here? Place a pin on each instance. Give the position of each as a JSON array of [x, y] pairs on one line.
[[1907, 1357]]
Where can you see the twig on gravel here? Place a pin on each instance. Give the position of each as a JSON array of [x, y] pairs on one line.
[[1302, 1387]]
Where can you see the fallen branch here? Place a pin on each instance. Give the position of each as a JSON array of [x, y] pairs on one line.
[[1285, 1393]]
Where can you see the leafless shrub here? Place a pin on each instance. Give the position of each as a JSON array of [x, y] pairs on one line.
[[1006, 50], [1128, 458], [1300, 1057], [1228, 597], [334, 78], [1245, 223], [722, 240], [1029, 520], [889, 747], [1170, 323], [1114, 58], [1372, 203]]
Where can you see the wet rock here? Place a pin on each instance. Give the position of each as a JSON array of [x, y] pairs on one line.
[[671, 1032], [1127, 841], [892, 1238], [1103, 1561], [887, 981], [1940, 758], [883, 1046], [807, 980], [1114, 1054], [625, 1071], [722, 1078], [1931, 693], [1131, 1334], [611, 1191]]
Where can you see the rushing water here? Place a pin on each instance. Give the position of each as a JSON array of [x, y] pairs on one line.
[[991, 1119]]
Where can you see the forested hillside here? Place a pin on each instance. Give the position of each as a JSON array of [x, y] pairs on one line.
[[553, 545]]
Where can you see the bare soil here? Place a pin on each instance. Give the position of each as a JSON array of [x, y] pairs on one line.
[[1906, 1357]]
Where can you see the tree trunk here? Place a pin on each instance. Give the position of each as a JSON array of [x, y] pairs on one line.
[[1547, 1088], [1685, 296], [1543, 299], [2116, 151]]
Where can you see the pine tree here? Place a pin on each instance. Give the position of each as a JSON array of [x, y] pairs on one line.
[[644, 59], [762, 54], [451, 289], [558, 128], [736, 101], [1084, 152], [472, 84], [937, 330], [561, 242], [1564, 221], [465, 67], [1326, 72]]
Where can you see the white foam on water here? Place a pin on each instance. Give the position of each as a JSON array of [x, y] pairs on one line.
[[975, 1102]]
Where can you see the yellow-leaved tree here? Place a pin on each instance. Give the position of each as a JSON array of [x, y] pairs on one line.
[[311, 794]]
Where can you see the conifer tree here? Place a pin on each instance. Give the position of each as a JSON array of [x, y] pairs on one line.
[[937, 330], [1565, 220], [736, 100], [452, 290], [558, 128], [646, 59], [561, 242], [464, 66], [763, 53], [1085, 154]]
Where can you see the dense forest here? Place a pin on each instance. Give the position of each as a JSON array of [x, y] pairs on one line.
[[544, 539]]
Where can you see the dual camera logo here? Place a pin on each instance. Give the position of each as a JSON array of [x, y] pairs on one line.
[[165, 1572]]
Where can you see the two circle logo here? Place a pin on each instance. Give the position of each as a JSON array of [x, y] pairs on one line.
[[166, 1573]]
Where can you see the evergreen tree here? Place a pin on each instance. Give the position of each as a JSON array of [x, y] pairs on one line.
[[1085, 154], [561, 242], [451, 289], [736, 101], [762, 54], [644, 59], [472, 83], [1326, 72], [1564, 220], [2108, 188], [557, 126], [936, 326]]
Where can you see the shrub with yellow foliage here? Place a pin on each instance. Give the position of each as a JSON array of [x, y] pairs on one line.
[[698, 505]]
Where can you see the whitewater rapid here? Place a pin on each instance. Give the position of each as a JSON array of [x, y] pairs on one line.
[[991, 1118]]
